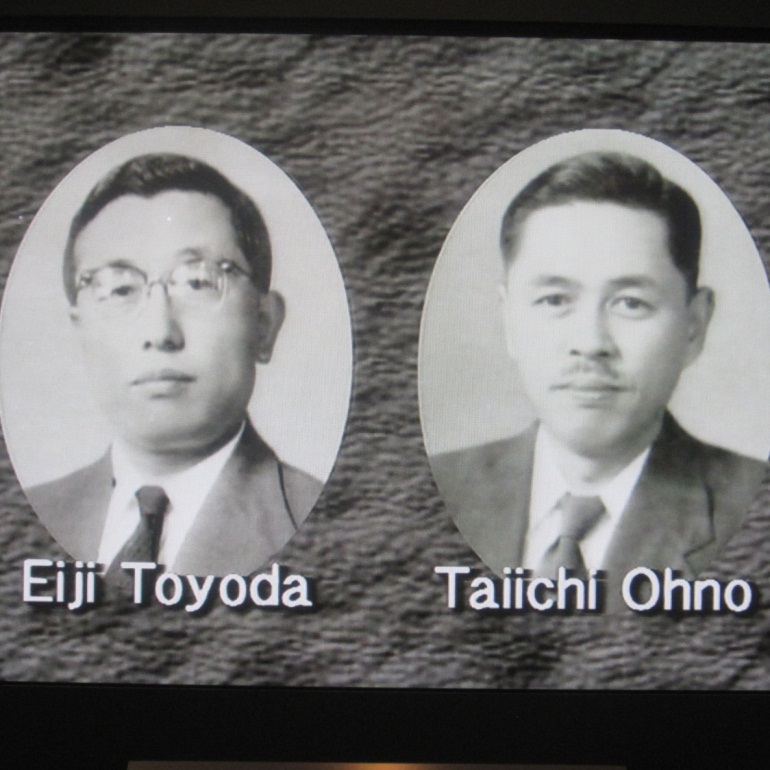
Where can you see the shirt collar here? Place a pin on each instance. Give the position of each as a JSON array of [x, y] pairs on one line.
[[549, 485], [185, 489]]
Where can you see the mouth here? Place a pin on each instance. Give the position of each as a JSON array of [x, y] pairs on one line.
[[162, 376], [588, 385], [590, 390]]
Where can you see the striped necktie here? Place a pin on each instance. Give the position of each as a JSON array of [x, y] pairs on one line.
[[579, 515], [144, 542]]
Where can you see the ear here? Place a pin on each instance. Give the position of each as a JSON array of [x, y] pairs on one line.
[[74, 315], [272, 311], [700, 310]]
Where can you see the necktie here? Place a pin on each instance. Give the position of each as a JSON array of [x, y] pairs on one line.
[[579, 515], [145, 539]]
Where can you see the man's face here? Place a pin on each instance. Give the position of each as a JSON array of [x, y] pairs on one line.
[[598, 320], [172, 377]]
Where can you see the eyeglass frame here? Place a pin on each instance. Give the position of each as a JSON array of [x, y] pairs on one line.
[[224, 268]]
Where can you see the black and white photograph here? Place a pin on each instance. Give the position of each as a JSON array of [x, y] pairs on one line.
[[350, 389], [602, 423], [166, 313]]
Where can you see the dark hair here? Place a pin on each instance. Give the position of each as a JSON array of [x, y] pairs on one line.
[[149, 175], [613, 178]]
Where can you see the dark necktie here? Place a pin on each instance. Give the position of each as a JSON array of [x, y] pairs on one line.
[[579, 515], [145, 539]]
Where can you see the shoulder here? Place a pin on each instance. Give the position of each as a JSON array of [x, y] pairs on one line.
[[73, 507], [477, 467], [721, 468], [64, 492], [485, 490], [727, 467], [731, 480]]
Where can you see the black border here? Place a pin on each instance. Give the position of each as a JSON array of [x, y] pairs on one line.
[[700, 13], [718, 20], [105, 727]]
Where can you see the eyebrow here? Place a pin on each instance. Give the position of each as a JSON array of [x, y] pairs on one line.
[[635, 282], [557, 281], [197, 252], [624, 282], [186, 254], [124, 263]]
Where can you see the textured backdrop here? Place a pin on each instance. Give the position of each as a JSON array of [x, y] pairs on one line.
[[388, 138]]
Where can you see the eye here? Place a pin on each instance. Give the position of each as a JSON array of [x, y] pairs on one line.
[[115, 284], [553, 300], [123, 290], [200, 284], [229, 268], [631, 306], [196, 277]]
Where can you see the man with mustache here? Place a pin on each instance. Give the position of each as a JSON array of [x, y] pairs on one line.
[[602, 312], [167, 270]]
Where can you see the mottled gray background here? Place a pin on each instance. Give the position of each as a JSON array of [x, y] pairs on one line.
[[388, 137]]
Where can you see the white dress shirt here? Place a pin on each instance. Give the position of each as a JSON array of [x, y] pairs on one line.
[[186, 492], [549, 486]]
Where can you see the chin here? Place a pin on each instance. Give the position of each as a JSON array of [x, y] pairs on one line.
[[174, 438], [593, 442]]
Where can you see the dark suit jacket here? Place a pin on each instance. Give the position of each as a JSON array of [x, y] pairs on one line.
[[690, 499], [254, 507]]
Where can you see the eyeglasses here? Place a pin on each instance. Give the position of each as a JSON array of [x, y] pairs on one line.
[[123, 289]]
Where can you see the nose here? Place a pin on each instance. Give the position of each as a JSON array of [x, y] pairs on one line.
[[590, 335], [159, 326]]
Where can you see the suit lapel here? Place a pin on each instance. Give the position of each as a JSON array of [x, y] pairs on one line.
[[669, 519], [496, 522], [97, 492], [244, 519]]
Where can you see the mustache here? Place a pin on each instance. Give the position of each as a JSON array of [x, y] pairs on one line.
[[589, 375]]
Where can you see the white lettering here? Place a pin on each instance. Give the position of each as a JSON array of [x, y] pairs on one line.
[[628, 587], [139, 568], [730, 601], [452, 573], [295, 593], [176, 586], [30, 580], [532, 596], [272, 581], [484, 597], [224, 590], [200, 592]]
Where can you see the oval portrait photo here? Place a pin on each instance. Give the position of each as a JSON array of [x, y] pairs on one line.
[[175, 356], [593, 364]]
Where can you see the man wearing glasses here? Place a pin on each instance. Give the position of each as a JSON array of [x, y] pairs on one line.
[[167, 271]]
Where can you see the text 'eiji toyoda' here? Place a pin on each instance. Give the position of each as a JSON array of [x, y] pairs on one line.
[[80, 585]]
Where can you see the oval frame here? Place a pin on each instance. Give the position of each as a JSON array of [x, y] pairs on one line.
[[468, 388], [41, 389]]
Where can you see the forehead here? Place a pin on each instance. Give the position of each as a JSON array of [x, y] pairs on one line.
[[166, 228], [590, 242]]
